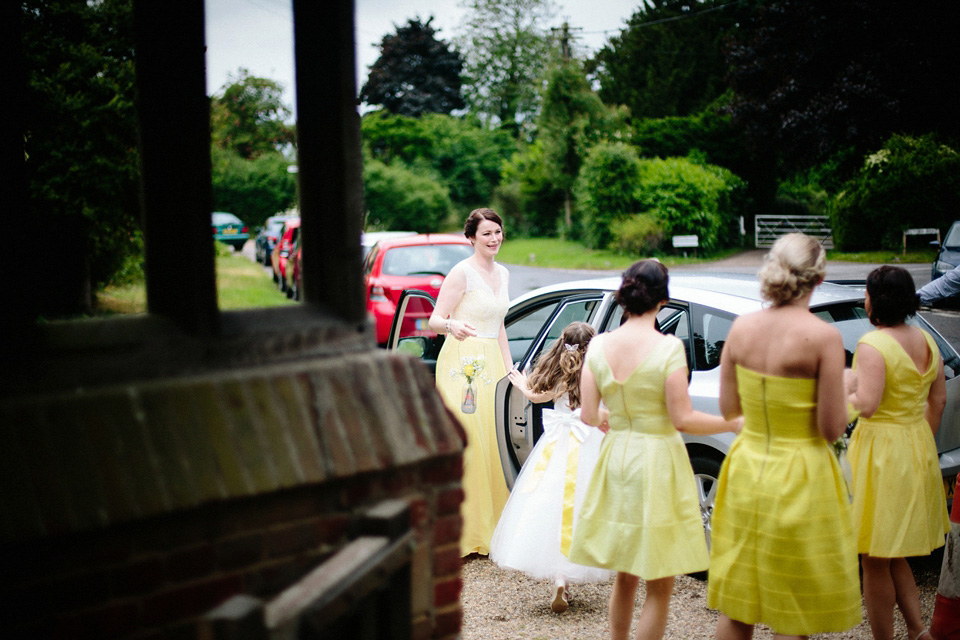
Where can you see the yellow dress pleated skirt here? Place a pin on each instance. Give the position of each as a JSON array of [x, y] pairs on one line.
[[899, 505], [783, 550], [485, 490]]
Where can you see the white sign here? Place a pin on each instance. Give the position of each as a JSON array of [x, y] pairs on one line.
[[685, 241]]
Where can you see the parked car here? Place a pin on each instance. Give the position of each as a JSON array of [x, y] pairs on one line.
[[418, 262], [229, 229], [293, 270], [370, 238], [700, 313], [267, 238], [948, 252], [281, 252]]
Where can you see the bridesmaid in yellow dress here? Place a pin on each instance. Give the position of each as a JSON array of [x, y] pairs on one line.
[[783, 551], [471, 305], [640, 516], [899, 506]]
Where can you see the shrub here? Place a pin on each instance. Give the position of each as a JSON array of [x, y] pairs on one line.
[[640, 234], [909, 182], [606, 190], [397, 198], [688, 198]]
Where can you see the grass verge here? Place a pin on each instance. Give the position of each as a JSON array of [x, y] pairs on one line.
[[241, 284], [555, 252]]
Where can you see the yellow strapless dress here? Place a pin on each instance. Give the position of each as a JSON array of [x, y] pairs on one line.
[[640, 514], [783, 550], [485, 490], [899, 506]]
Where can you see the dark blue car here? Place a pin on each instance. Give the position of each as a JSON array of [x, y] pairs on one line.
[[948, 256]]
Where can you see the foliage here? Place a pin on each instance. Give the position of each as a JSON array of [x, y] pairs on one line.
[[527, 197], [80, 141], [638, 235], [505, 45], [688, 198], [248, 116], [815, 76], [570, 254], [607, 190], [909, 182], [253, 190], [668, 61], [572, 120], [415, 73], [398, 198], [458, 152]]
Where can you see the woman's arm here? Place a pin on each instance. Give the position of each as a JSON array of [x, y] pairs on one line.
[[871, 375], [729, 393], [831, 388], [589, 398], [682, 414], [504, 348], [451, 291], [936, 399]]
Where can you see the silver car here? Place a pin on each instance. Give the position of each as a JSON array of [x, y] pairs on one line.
[[700, 313]]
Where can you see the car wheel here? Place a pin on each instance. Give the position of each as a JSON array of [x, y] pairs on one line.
[[706, 472]]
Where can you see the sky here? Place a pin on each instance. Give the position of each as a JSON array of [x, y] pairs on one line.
[[258, 34]]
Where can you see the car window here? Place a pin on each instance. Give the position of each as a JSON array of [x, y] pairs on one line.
[[709, 337], [523, 329], [424, 259], [369, 259], [672, 320], [852, 322], [953, 236]]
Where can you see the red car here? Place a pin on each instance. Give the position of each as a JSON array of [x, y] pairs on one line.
[[412, 262], [282, 251]]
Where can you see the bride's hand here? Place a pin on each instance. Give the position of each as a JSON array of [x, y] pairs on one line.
[[462, 330]]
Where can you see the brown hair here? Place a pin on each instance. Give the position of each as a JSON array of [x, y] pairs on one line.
[[893, 296], [558, 370], [476, 217], [645, 284]]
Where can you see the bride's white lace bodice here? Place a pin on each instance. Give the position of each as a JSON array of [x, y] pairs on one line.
[[479, 305]]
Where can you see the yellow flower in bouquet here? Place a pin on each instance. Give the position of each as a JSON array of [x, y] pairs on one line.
[[471, 368]]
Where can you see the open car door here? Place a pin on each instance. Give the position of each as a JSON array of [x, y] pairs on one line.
[[410, 332]]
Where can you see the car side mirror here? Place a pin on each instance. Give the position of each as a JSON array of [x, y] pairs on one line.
[[414, 346], [935, 244]]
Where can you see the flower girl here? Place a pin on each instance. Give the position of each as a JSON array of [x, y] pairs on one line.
[[536, 527]]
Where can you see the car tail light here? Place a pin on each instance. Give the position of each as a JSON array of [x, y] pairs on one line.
[[377, 294], [244, 230], [214, 230]]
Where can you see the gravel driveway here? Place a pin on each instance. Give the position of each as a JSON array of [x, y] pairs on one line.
[[500, 604]]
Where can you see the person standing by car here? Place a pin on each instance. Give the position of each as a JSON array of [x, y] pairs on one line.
[[783, 551], [471, 306], [537, 525], [899, 506], [945, 287], [641, 517]]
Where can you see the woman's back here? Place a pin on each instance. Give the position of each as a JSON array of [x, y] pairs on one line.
[[782, 341]]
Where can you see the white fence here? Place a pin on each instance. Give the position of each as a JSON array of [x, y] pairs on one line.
[[769, 228]]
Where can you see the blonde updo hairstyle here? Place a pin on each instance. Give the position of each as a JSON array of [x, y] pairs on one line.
[[794, 266]]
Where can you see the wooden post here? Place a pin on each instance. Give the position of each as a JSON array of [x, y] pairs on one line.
[[329, 164], [175, 163]]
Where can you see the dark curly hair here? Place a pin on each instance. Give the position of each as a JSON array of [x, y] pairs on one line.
[[644, 285], [893, 296], [476, 217], [558, 370]]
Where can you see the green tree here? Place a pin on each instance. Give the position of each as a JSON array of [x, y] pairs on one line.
[[606, 191], [573, 119], [815, 76], [908, 182], [415, 74], [252, 189], [248, 116], [398, 198], [668, 61], [506, 44], [80, 146]]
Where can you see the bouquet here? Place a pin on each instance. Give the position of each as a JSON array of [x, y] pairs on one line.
[[471, 369]]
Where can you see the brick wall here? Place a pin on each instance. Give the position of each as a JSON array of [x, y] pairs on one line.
[[131, 510]]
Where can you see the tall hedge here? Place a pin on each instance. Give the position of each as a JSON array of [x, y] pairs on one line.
[[909, 183], [606, 190], [397, 198]]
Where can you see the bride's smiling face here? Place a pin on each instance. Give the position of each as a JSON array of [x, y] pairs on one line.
[[488, 239]]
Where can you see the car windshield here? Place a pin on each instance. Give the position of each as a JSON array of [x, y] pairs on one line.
[[221, 219], [424, 259], [953, 236]]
